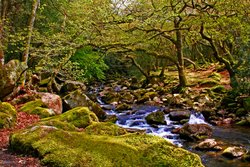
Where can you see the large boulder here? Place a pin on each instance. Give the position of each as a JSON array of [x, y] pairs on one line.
[[179, 115], [195, 132], [99, 144], [9, 75], [8, 115], [157, 118], [52, 101], [79, 99]]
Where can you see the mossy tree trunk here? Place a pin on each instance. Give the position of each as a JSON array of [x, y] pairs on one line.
[[179, 45], [218, 57], [4, 11]]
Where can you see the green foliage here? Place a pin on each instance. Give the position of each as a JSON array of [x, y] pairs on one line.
[[91, 62], [244, 72]]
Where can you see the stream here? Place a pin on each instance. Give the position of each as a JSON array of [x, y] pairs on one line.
[[135, 119]]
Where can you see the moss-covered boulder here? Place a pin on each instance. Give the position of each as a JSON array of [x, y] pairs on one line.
[[37, 107], [98, 147], [194, 132], [105, 128], [9, 75], [79, 99], [156, 118], [80, 117], [8, 115]]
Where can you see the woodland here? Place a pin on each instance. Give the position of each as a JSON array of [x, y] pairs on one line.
[[125, 83]]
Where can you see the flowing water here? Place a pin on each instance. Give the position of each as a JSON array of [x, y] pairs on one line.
[[135, 119]]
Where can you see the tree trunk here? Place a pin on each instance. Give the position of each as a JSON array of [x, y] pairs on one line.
[[30, 30], [181, 68], [233, 80], [4, 7], [139, 68]]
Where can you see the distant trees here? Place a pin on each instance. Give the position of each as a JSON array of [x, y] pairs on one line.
[[166, 30]]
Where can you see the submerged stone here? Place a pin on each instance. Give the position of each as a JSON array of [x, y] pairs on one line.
[[208, 144], [234, 152]]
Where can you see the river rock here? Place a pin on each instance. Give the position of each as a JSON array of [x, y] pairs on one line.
[[179, 115], [122, 107], [195, 132], [127, 97], [79, 99], [109, 97], [208, 144], [9, 75], [234, 152], [157, 118]]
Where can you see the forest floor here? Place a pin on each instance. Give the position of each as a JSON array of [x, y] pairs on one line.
[[195, 77], [9, 159]]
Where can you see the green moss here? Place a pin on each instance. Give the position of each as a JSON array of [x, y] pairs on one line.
[[58, 124], [62, 148], [28, 107], [57, 142], [7, 115], [37, 107], [80, 117], [7, 108], [105, 128], [42, 112]]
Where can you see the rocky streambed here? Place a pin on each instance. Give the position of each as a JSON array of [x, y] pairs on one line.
[[148, 110]]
